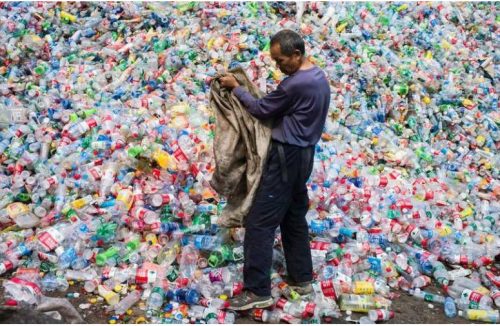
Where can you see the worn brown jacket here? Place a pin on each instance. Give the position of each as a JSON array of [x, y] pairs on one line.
[[241, 145]]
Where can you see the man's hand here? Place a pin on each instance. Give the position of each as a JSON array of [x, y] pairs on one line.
[[229, 82]]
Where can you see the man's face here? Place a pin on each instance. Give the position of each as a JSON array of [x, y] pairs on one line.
[[286, 64]]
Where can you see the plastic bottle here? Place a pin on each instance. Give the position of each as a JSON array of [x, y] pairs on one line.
[[380, 314], [24, 289], [111, 297], [155, 300], [51, 282], [487, 316], [450, 310], [52, 237], [429, 297], [126, 303]]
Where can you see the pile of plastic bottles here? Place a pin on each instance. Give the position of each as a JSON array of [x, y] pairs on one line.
[[106, 153]]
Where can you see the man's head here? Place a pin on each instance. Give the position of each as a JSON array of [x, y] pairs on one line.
[[288, 50]]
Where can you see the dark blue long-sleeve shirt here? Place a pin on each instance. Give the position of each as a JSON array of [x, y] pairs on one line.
[[299, 107]]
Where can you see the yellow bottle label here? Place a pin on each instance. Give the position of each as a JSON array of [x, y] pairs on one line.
[[363, 287], [483, 290], [402, 8], [79, 203], [341, 27], [68, 16], [466, 212], [476, 314], [126, 196], [444, 231], [151, 239], [468, 103], [480, 140], [163, 159], [16, 209]]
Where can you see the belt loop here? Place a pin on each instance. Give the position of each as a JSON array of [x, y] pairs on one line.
[[284, 171]]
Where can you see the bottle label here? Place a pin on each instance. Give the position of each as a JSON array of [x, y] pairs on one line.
[[328, 289], [79, 203], [30, 286], [221, 316], [126, 197], [16, 209], [287, 318], [257, 314], [493, 279], [495, 294], [283, 304], [144, 276], [50, 239], [308, 310], [237, 288], [471, 296], [180, 156], [6, 266], [428, 297], [139, 212], [362, 287], [319, 245], [476, 314]]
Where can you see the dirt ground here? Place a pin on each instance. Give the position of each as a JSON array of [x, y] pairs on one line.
[[408, 310]]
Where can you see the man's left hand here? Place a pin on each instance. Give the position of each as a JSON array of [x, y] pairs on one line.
[[228, 81]]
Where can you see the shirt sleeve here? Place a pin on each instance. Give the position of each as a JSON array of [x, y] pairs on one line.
[[271, 105]]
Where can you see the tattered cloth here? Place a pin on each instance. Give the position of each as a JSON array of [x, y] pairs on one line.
[[241, 146]]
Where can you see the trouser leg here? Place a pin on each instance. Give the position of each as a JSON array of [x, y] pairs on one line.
[[294, 229], [268, 209]]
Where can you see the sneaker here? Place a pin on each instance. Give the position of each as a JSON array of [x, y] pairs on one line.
[[247, 300], [302, 288]]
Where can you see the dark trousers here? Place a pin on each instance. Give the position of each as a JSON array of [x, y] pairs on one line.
[[281, 200]]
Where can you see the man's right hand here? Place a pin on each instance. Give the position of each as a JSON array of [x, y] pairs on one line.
[[229, 82]]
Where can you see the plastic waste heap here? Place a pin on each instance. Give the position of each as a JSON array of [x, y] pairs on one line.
[[106, 156]]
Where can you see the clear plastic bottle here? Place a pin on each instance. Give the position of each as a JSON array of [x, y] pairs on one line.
[[380, 315], [429, 297], [487, 316], [126, 303], [52, 237], [155, 300]]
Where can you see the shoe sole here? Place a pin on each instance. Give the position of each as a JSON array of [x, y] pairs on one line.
[[252, 305]]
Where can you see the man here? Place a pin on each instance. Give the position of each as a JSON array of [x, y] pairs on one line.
[[299, 107]]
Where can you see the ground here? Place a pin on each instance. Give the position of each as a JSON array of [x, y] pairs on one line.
[[407, 310]]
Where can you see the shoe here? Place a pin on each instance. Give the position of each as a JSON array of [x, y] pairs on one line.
[[302, 288], [247, 300]]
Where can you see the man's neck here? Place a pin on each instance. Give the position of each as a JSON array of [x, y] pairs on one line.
[[306, 64]]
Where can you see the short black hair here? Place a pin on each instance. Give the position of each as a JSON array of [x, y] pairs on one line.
[[289, 41]]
